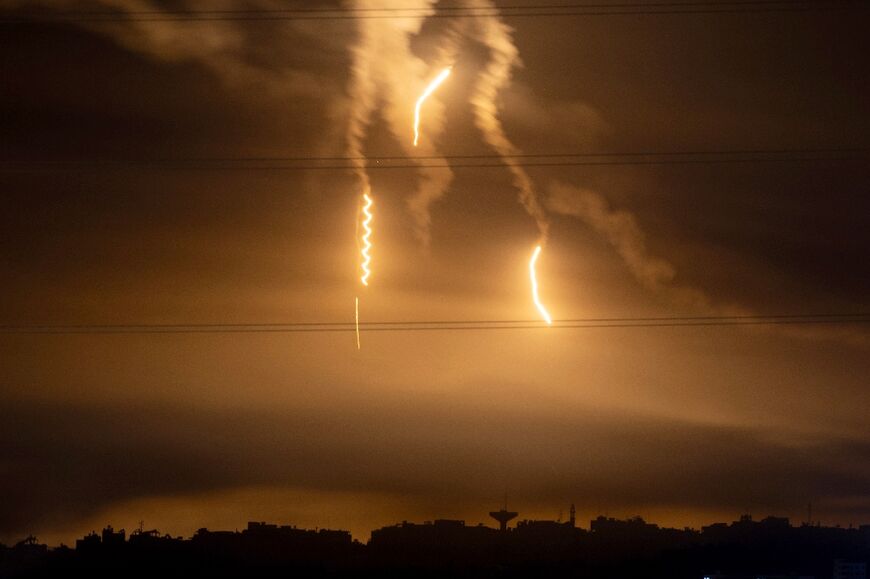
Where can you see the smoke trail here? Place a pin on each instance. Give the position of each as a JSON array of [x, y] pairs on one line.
[[495, 76], [621, 230], [386, 74], [503, 57], [362, 105]]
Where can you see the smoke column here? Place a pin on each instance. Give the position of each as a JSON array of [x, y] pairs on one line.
[[387, 77], [496, 75]]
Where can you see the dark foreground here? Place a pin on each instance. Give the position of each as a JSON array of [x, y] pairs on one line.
[[768, 548]]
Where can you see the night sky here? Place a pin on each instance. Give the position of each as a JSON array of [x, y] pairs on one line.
[[158, 171]]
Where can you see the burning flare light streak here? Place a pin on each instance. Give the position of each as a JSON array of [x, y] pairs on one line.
[[356, 320], [429, 90], [366, 256], [366, 241], [534, 278]]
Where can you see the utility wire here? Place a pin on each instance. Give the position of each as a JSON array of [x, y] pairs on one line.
[[517, 11], [453, 322], [452, 325], [444, 161], [456, 322], [378, 158], [388, 9]]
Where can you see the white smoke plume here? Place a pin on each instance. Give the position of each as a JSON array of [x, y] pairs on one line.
[[386, 75], [384, 69], [496, 36], [622, 232]]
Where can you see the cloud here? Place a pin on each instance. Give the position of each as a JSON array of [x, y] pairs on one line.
[[223, 46], [440, 454]]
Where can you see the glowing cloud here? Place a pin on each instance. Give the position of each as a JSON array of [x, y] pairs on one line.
[[534, 278], [366, 240], [433, 86]]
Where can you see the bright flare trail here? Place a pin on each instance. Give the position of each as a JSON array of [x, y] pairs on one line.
[[356, 319], [366, 257], [429, 90], [534, 278], [366, 240]]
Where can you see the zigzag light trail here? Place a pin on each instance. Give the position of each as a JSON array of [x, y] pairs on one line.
[[366, 257], [365, 264]]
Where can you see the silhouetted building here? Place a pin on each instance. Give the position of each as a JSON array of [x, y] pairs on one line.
[[26, 556], [746, 529], [265, 544], [30, 547], [439, 540], [537, 538], [633, 528], [90, 543], [112, 539]]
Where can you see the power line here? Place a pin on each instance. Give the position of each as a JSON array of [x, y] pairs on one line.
[[453, 325], [388, 9], [518, 11], [444, 161], [378, 158], [457, 322]]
